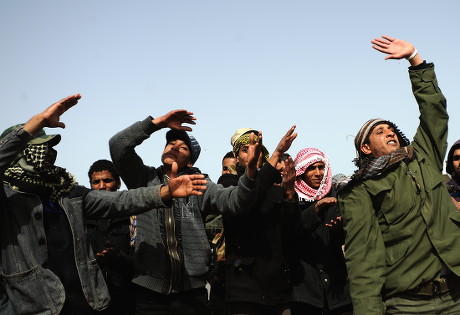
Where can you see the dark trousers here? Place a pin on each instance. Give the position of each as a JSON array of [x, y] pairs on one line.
[[192, 302], [447, 303], [246, 308], [303, 308]]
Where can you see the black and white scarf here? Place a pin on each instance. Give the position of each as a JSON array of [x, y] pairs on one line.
[[378, 166], [29, 174]]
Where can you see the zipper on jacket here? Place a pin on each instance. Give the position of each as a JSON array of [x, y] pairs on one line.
[[172, 250], [173, 253]]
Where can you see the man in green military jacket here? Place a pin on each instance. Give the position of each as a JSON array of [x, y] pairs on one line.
[[402, 244]]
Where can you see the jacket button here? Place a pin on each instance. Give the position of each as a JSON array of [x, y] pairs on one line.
[[38, 215], [41, 241]]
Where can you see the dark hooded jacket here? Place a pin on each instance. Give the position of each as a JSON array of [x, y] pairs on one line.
[[453, 185]]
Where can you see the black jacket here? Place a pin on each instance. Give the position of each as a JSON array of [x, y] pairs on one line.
[[316, 260], [257, 270]]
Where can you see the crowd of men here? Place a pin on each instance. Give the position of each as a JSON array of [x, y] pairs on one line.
[[275, 235]]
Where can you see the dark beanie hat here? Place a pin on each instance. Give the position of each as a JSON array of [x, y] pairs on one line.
[[190, 140]]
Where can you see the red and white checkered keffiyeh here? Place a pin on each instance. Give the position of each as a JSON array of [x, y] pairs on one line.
[[302, 161]]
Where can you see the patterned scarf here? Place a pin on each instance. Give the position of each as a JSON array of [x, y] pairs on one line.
[[30, 174], [376, 167], [302, 161]]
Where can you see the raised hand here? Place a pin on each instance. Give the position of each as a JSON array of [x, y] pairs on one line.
[[283, 145], [184, 185], [50, 117], [288, 174], [174, 120], [394, 48], [254, 151], [397, 49]]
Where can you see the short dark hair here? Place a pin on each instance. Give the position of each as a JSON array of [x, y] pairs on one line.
[[104, 165], [228, 155], [283, 157]]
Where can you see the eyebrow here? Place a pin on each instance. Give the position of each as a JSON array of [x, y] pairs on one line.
[[381, 127]]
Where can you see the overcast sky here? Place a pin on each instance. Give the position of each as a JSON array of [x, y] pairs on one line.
[[266, 65]]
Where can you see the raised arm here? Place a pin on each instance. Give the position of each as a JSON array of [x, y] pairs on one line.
[[254, 151], [104, 204], [14, 142], [51, 116], [288, 175], [129, 164], [283, 145], [431, 135]]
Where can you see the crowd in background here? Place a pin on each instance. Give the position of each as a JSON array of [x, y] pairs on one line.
[[276, 234]]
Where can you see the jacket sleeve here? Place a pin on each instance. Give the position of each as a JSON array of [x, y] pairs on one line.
[[364, 251], [129, 164], [431, 135], [231, 200], [11, 145], [112, 204], [237, 200]]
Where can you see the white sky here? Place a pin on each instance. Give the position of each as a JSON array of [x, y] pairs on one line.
[[243, 63]]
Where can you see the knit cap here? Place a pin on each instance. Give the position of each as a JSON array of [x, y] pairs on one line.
[[363, 134], [192, 143]]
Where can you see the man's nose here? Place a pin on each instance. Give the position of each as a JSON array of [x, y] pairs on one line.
[[100, 186], [391, 133]]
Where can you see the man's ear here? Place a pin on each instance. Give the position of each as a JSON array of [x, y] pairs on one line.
[[190, 164], [118, 185], [366, 149]]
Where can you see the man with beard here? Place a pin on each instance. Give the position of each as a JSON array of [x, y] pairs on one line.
[[401, 228]]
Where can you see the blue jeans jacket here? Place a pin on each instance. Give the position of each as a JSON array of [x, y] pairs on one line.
[[31, 287]]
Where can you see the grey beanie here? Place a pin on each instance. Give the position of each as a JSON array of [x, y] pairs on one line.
[[363, 134]]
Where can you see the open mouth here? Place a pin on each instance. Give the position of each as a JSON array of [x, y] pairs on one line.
[[169, 154]]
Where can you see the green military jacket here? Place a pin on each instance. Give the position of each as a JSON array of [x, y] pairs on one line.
[[402, 227]]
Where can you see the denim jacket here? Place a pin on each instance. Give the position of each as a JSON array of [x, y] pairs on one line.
[[31, 287]]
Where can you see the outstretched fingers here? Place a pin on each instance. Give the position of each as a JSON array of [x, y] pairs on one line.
[[388, 38], [286, 142], [53, 113], [176, 118], [199, 184], [393, 47]]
